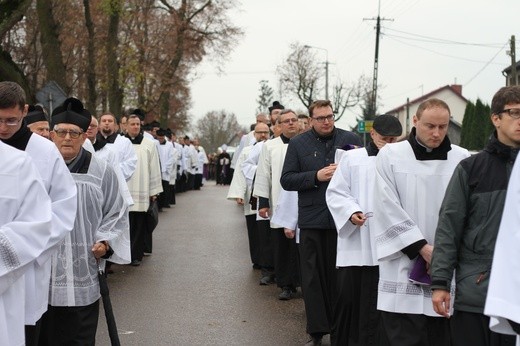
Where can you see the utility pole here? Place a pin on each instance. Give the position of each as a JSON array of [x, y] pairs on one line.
[[514, 78], [376, 59], [326, 68]]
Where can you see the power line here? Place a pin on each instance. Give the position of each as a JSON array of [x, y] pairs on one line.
[[435, 52], [486, 65], [442, 40]]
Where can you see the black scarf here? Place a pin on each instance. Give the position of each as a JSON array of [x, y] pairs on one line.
[[20, 139], [136, 140], [421, 154], [372, 149]]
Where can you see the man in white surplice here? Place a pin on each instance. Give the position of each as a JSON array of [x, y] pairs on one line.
[[61, 189], [74, 287], [144, 187], [349, 198], [411, 178], [24, 223], [267, 187], [240, 192]]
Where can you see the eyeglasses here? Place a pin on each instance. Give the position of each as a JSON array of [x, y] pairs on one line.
[[72, 133], [512, 112], [329, 117], [11, 121], [287, 121]]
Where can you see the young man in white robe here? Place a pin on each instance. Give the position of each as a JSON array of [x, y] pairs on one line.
[[468, 226], [61, 189], [263, 234], [174, 173], [349, 198], [411, 178], [73, 312], [267, 187], [240, 192], [144, 187], [25, 221], [503, 300]]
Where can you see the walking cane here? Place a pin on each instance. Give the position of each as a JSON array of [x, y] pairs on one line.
[[107, 305]]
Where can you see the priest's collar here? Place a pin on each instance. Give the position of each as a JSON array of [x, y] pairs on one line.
[[501, 150], [111, 138], [20, 138], [135, 140], [284, 139], [424, 154]]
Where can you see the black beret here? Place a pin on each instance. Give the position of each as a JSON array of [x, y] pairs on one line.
[[387, 125], [276, 105], [140, 113], [70, 112], [35, 114]]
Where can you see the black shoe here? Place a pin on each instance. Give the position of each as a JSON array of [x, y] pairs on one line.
[[266, 280], [314, 341], [286, 294], [135, 263]]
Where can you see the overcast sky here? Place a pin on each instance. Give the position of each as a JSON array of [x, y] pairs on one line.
[[411, 59]]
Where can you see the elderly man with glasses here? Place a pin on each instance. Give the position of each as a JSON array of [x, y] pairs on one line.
[[308, 168]]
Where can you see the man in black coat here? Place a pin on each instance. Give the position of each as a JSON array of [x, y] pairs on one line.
[[308, 168]]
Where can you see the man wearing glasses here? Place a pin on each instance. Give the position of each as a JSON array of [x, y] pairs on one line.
[[468, 226], [308, 168], [59, 185]]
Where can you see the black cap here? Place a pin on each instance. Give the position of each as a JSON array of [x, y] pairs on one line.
[[276, 105], [161, 132], [35, 114], [70, 112], [140, 113], [387, 125]]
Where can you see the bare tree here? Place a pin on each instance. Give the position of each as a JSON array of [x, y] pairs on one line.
[[345, 97], [300, 74], [217, 128], [265, 98]]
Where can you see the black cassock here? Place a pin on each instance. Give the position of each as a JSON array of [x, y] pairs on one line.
[[224, 174]]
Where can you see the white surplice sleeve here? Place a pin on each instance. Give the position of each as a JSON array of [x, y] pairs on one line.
[[127, 157], [392, 227], [339, 199], [250, 164], [262, 186], [26, 219], [503, 300]]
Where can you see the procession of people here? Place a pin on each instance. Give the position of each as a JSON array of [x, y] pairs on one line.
[[409, 240]]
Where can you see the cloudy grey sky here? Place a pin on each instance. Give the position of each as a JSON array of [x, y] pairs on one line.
[[475, 38]]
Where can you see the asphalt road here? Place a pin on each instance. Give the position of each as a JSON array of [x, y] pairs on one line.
[[198, 287]]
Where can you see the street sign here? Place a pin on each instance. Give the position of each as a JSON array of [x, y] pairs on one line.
[[51, 96], [364, 126]]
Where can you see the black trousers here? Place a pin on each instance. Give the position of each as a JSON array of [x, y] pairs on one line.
[[197, 181], [285, 259], [468, 328], [318, 278], [356, 318], [265, 246], [74, 325], [190, 182], [252, 235], [416, 330], [171, 188], [32, 333], [164, 197], [138, 230]]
